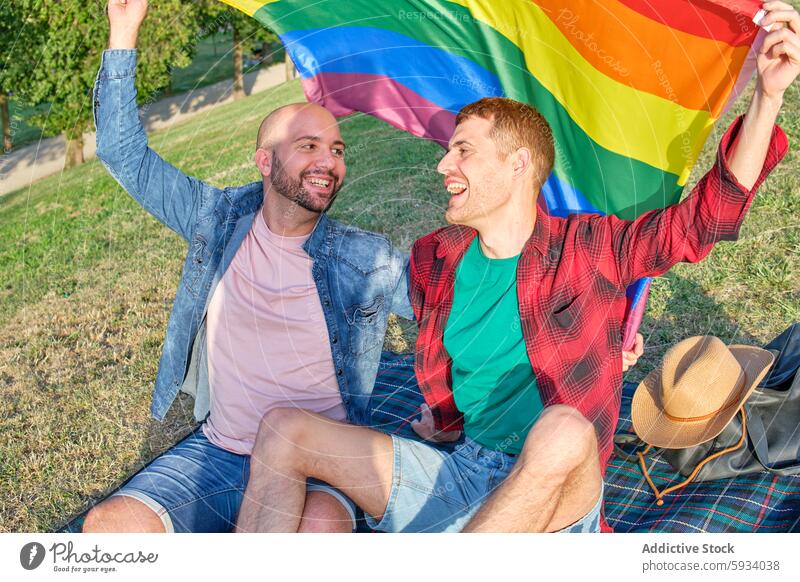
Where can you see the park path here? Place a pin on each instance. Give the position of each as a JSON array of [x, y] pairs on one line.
[[21, 167]]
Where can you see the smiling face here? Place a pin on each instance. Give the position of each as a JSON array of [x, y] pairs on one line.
[[499, 147], [301, 152], [476, 175]]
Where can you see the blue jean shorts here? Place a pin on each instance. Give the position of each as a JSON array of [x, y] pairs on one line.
[[434, 490], [197, 486]]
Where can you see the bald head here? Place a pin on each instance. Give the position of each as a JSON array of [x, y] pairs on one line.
[[300, 154], [275, 127]]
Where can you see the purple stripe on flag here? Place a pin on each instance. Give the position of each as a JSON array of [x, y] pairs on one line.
[[636, 302], [384, 98]]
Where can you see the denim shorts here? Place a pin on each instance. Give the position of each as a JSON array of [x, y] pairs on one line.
[[197, 486], [434, 490]]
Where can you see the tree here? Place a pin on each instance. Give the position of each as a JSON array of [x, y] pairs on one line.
[[62, 67], [248, 34], [5, 119], [18, 33]]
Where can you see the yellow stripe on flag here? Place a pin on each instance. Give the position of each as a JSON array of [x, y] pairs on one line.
[[249, 7], [622, 119]]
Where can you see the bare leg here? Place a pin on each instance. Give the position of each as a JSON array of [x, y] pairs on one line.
[[293, 445], [122, 515], [555, 481], [323, 513]]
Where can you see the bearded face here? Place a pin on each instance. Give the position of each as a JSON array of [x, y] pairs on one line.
[[314, 189]]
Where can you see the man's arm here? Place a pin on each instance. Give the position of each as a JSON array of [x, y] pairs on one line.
[[715, 210], [164, 191], [778, 66]]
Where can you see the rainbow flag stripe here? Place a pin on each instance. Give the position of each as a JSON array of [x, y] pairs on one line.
[[631, 88]]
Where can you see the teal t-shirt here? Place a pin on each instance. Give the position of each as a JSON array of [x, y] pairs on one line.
[[493, 384]]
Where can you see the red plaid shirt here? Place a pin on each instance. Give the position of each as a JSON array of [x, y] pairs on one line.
[[571, 281]]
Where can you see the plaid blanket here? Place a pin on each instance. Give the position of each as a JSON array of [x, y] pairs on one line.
[[761, 502], [754, 503]]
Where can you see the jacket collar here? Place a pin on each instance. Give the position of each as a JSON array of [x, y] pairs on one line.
[[318, 244]]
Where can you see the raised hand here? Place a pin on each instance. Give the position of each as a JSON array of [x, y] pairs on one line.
[[124, 18], [426, 428], [779, 58]]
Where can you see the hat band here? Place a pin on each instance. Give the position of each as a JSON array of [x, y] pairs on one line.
[[714, 413]]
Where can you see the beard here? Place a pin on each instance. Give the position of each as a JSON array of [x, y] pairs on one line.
[[485, 197], [294, 190]]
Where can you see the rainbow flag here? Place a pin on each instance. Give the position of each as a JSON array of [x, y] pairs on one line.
[[631, 88]]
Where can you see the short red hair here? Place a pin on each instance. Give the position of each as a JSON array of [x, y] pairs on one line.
[[515, 125]]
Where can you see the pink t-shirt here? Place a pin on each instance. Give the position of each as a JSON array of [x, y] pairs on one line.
[[268, 343]]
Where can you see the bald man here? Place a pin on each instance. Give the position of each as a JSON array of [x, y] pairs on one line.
[[278, 305]]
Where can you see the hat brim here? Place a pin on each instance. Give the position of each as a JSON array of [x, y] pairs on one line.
[[655, 428]]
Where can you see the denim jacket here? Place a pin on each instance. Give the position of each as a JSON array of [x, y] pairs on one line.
[[360, 277]]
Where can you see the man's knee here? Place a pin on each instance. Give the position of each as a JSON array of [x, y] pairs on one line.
[[122, 514], [569, 427], [280, 427], [562, 439], [323, 513]]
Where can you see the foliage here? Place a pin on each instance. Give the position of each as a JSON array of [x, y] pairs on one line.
[[215, 16], [64, 45]]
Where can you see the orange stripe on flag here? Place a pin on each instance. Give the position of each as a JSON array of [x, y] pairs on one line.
[[697, 73]]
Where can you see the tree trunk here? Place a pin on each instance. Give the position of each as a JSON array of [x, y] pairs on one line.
[[291, 72], [6, 120], [266, 53], [74, 152], [238, 78]]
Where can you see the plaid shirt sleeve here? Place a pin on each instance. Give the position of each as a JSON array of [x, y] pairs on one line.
[[685, 232]]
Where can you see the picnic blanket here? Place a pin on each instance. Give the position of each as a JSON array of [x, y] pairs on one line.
[[755, 503], [761, 502]]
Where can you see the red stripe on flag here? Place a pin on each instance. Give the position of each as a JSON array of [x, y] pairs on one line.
[[729, 21]]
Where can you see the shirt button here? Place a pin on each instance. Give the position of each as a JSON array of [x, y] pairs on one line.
[[327, 303], [334, 340], [339, 372]]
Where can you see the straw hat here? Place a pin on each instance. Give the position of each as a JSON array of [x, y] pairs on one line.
[[700, 386]]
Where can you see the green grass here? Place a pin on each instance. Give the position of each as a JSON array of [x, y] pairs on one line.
[[88, 279]]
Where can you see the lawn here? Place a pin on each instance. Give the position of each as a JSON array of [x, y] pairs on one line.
[[88, 279]]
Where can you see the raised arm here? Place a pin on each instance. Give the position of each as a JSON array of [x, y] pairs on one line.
[[778, 66], [165, 192]]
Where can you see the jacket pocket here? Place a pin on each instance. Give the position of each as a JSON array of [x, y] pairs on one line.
[[367, 323]]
